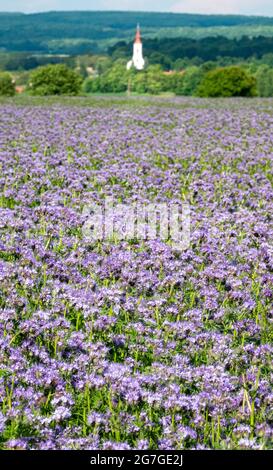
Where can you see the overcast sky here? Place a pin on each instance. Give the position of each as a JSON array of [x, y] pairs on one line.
[[247, 7]]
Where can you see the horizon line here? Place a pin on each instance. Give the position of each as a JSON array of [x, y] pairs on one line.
[[136, 11]]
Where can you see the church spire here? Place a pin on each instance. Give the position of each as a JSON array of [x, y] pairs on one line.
[[138, 37], [137, 60]]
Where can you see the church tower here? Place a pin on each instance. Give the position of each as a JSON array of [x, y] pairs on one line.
[[137, 60]]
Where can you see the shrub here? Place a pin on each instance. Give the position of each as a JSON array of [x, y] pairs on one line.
[[7, 87], [55, 80], [227, 81]]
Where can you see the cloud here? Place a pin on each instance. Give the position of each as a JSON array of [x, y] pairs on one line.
[[247, 7], [210, 6], [254, 7], [135, 5], [29, 6]]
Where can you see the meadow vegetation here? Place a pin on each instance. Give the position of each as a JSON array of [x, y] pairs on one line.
[[133, 344]]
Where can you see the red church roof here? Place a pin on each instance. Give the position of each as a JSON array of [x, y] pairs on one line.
[[138, 37]]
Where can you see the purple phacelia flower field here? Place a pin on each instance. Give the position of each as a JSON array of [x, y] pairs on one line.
[[134, 344]]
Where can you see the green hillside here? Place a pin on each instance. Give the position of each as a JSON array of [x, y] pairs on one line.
[[81, 32]]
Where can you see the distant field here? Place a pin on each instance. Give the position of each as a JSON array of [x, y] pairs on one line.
[[122, 100], [134, 343]]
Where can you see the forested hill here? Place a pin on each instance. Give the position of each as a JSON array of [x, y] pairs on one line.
[[79, 32], [205, 49]]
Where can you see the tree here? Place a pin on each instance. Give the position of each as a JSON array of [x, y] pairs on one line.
[[227, 81], [139, 82], [178, 83], [115, 80], [91, 85], [55, 80], [161, 59], [187, 83], [264, 78], [268, 59], [154, 79], [7, 87]]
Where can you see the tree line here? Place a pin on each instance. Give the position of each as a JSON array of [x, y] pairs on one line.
[[167, 51], [170, 53], [204, 81]]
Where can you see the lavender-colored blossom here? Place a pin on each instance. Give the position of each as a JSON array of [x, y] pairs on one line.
[[132, 344]]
